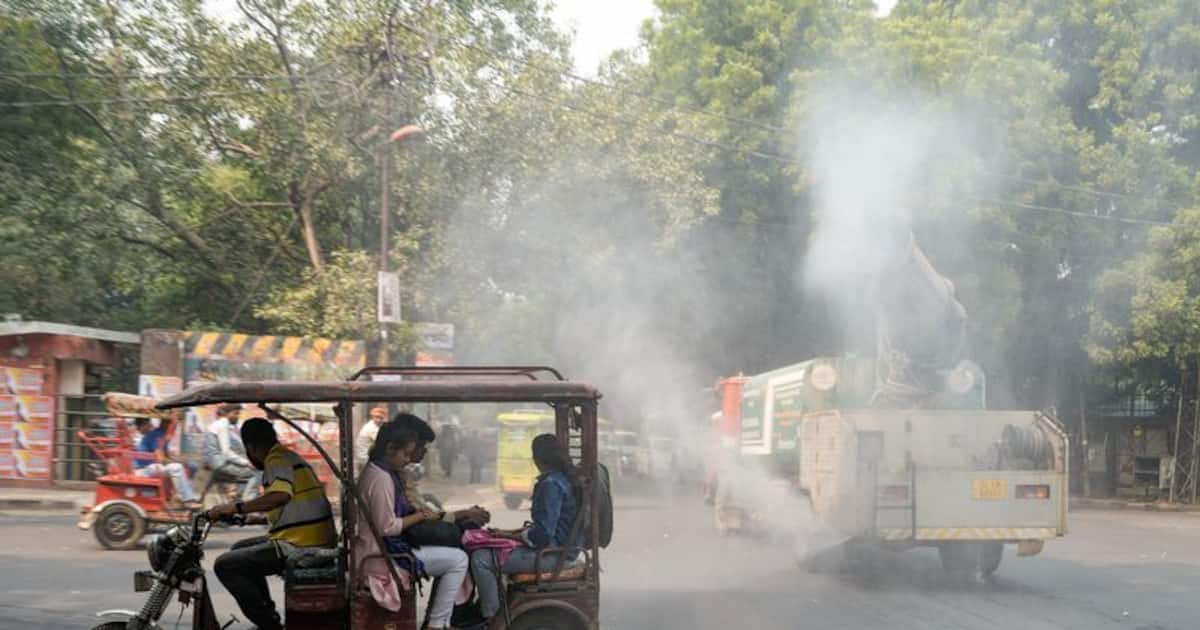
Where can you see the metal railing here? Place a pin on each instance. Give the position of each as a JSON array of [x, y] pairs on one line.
[[73, 460]]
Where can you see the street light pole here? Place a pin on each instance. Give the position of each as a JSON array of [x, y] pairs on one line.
[[385, 208], [385, 213]]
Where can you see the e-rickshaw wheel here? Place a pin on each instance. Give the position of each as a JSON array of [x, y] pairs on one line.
[[112, 625], [513, 501], [119, 526], [545, 619]]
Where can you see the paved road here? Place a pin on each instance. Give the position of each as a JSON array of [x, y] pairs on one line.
[[667, 570], [1136, 570]]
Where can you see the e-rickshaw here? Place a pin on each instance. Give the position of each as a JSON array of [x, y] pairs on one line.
[[324, 588], [515, 472]]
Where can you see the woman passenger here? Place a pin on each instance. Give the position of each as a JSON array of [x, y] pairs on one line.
[[399, 443], [552, 516]]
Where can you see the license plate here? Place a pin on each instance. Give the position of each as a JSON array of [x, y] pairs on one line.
[[989, 489]]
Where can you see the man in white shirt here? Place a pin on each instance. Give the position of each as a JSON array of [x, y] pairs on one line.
[[366, 435], [224, 453]]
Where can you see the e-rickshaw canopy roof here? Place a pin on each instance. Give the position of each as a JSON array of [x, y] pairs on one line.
[[131, 406], [413, 391]]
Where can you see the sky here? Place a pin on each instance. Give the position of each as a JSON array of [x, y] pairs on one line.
[[602, 27]]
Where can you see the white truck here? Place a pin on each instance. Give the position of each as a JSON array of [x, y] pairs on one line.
[[899, 449], [965, 482]]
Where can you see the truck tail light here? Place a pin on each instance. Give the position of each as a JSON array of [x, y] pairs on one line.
[[893, 494], [1038, 491]]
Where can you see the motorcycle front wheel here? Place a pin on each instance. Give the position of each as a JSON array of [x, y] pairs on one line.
[[117, 625]]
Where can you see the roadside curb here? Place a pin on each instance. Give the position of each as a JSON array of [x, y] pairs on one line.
[[49, 505], [1079, 503]]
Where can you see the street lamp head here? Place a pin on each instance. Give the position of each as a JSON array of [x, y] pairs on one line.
[[406, 132]]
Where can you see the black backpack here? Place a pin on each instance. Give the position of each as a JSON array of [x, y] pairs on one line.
[[602, 486]]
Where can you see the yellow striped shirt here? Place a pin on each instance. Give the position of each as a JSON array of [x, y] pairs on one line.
[[306, 520]]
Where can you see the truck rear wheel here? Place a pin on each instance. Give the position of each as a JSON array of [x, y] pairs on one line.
[[989, 558], [959, 559]]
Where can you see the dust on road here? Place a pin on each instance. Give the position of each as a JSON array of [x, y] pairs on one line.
[[669, 570]]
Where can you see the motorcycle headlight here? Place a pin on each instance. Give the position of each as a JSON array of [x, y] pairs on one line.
[[158, 549]]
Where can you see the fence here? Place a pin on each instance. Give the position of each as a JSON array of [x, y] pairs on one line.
[[73, 460]]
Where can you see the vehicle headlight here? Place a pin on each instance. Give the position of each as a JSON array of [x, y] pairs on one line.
[[158, 549], [823, 377], [963, 377]]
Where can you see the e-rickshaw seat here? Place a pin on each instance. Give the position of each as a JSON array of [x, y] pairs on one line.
[[574, 571], [313, 566], [552, 558]]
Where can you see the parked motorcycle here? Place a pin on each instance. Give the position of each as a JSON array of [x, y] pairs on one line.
[[175, 567]]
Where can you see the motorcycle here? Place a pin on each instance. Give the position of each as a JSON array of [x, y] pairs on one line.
[[175, 567]]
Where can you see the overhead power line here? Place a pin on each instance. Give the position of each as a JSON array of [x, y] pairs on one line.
[[175, 98], [1074, 213], [660, 132], [1070, 187], [785, 159], [606, 85], [159, 76], [493, 52]]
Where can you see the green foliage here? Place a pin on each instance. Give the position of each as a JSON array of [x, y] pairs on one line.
[[227, 171], [1148, 309]]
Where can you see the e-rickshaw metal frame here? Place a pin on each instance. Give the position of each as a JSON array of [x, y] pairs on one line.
[[568, 592]]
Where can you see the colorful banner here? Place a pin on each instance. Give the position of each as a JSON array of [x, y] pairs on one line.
[[18, 381], [30, 436], [8, 423], [32, 431], [158, 387], [31, 465]]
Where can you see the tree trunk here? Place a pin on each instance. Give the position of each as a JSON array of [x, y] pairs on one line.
[[301, 197]]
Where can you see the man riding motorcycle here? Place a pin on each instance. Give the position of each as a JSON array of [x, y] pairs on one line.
[[225, 455], [297, 511]]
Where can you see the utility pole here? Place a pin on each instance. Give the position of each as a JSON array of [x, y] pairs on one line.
[[385, 202], [385, 192], [1083, 435]]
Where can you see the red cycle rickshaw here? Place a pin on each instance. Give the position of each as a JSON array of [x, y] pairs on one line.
[[125, 504]]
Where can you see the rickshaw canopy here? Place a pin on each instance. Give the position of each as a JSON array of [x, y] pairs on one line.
[[411, 391], [131, 406]]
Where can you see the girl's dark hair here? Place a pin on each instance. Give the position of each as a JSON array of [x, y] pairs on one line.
[[401, 431], [549, 452]]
